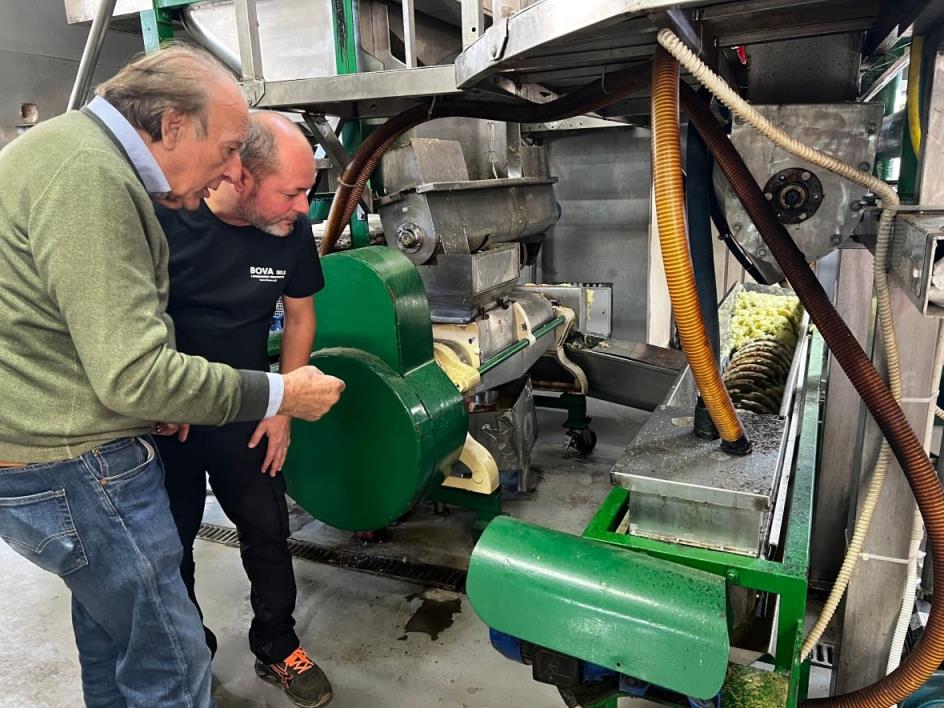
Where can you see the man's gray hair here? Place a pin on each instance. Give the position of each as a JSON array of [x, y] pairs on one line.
[[259, 153], [175, 77]]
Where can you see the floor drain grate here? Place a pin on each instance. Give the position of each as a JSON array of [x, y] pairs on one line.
[[823, 655], [411, 571]]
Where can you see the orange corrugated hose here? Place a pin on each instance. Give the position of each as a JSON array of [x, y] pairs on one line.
[[670, 214]]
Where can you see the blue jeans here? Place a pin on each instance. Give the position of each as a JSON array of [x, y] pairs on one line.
[[103, 524]]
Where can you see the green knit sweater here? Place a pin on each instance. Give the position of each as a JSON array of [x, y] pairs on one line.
[[86, 348]]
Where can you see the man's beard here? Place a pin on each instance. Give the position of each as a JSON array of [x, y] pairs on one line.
[[274, 227]]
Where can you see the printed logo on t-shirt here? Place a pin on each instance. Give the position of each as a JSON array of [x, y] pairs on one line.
[[266, 274]]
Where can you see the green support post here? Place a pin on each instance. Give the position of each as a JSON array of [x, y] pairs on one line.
[[156, 27], [485, 506], [352, 134]]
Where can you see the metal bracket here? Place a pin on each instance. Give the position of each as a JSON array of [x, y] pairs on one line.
[[253, 90], [499, 39], [327, 139], [679, 23]]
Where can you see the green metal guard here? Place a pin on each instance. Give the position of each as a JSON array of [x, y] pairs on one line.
[[539, 585], [400, 423], [788, 578], [625, 611]]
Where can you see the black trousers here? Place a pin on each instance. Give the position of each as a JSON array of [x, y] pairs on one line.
[[255, 503]]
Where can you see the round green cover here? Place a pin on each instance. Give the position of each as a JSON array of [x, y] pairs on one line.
[[367, 461]]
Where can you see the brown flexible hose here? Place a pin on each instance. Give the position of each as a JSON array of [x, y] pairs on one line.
[[925, 658], [609, 89], [670, 212]]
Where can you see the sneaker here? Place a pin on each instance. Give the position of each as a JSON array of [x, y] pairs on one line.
[[302, 680]]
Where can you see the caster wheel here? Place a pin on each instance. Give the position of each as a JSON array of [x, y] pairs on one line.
[[583, 440]]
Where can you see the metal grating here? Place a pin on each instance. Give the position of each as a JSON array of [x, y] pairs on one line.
[[823, 655], [398, 568]]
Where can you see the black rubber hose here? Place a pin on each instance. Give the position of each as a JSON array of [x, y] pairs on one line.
[[698, 188]]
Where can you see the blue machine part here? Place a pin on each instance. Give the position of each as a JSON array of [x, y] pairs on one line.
[[506, 645], [930, 695], [524, 653]]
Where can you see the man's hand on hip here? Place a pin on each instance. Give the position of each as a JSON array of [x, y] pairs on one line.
[[309, 394], [181, 430], [278, 429]]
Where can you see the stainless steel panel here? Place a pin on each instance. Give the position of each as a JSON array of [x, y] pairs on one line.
[[509, 431], [685, 489], [558, 23], [295, 39], [560, 42], [603, 233], [915, 246], [780, 71], [840, 443], [629, 373], [496, 333], [459, 285], [484, 144], [84, 10], [423, 160], [849, 131], [467, 216], [871, 608], [370, 94], [591, 303]]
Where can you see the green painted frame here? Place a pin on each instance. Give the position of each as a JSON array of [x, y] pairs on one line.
[[786, 578]]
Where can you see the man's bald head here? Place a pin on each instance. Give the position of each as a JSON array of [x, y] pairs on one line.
[[272, 139], [279, 170]]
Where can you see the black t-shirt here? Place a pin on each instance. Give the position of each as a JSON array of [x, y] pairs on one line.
[[225, 282]]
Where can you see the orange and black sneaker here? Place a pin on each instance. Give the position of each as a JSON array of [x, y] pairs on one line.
[[302, 680]]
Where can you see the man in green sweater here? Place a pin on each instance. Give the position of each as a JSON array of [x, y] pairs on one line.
[[87, 364]]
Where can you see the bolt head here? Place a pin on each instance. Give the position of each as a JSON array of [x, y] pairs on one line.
[[871, 128], [736, 227], [805, 176], [762, 252], [768, 196], [864, 167], [835, 239]]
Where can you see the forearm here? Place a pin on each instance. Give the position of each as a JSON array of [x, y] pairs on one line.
[[297, 339]]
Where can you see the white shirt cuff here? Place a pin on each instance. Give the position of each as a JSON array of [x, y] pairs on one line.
[[276, 393]]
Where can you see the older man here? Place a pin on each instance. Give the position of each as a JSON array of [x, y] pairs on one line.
[[248, 244], [86, 364]]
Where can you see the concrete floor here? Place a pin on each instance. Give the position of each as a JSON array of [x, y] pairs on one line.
[[354, 624]]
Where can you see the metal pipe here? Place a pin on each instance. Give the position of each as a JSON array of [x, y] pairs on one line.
[[886, 78], [91, 53], [409, 33], [506, 354], [205, 38], [889, 137], [247, 34]]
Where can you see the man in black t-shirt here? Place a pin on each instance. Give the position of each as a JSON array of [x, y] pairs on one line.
[[248, 244]]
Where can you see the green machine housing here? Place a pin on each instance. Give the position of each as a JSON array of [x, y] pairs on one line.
[[400, 423]]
